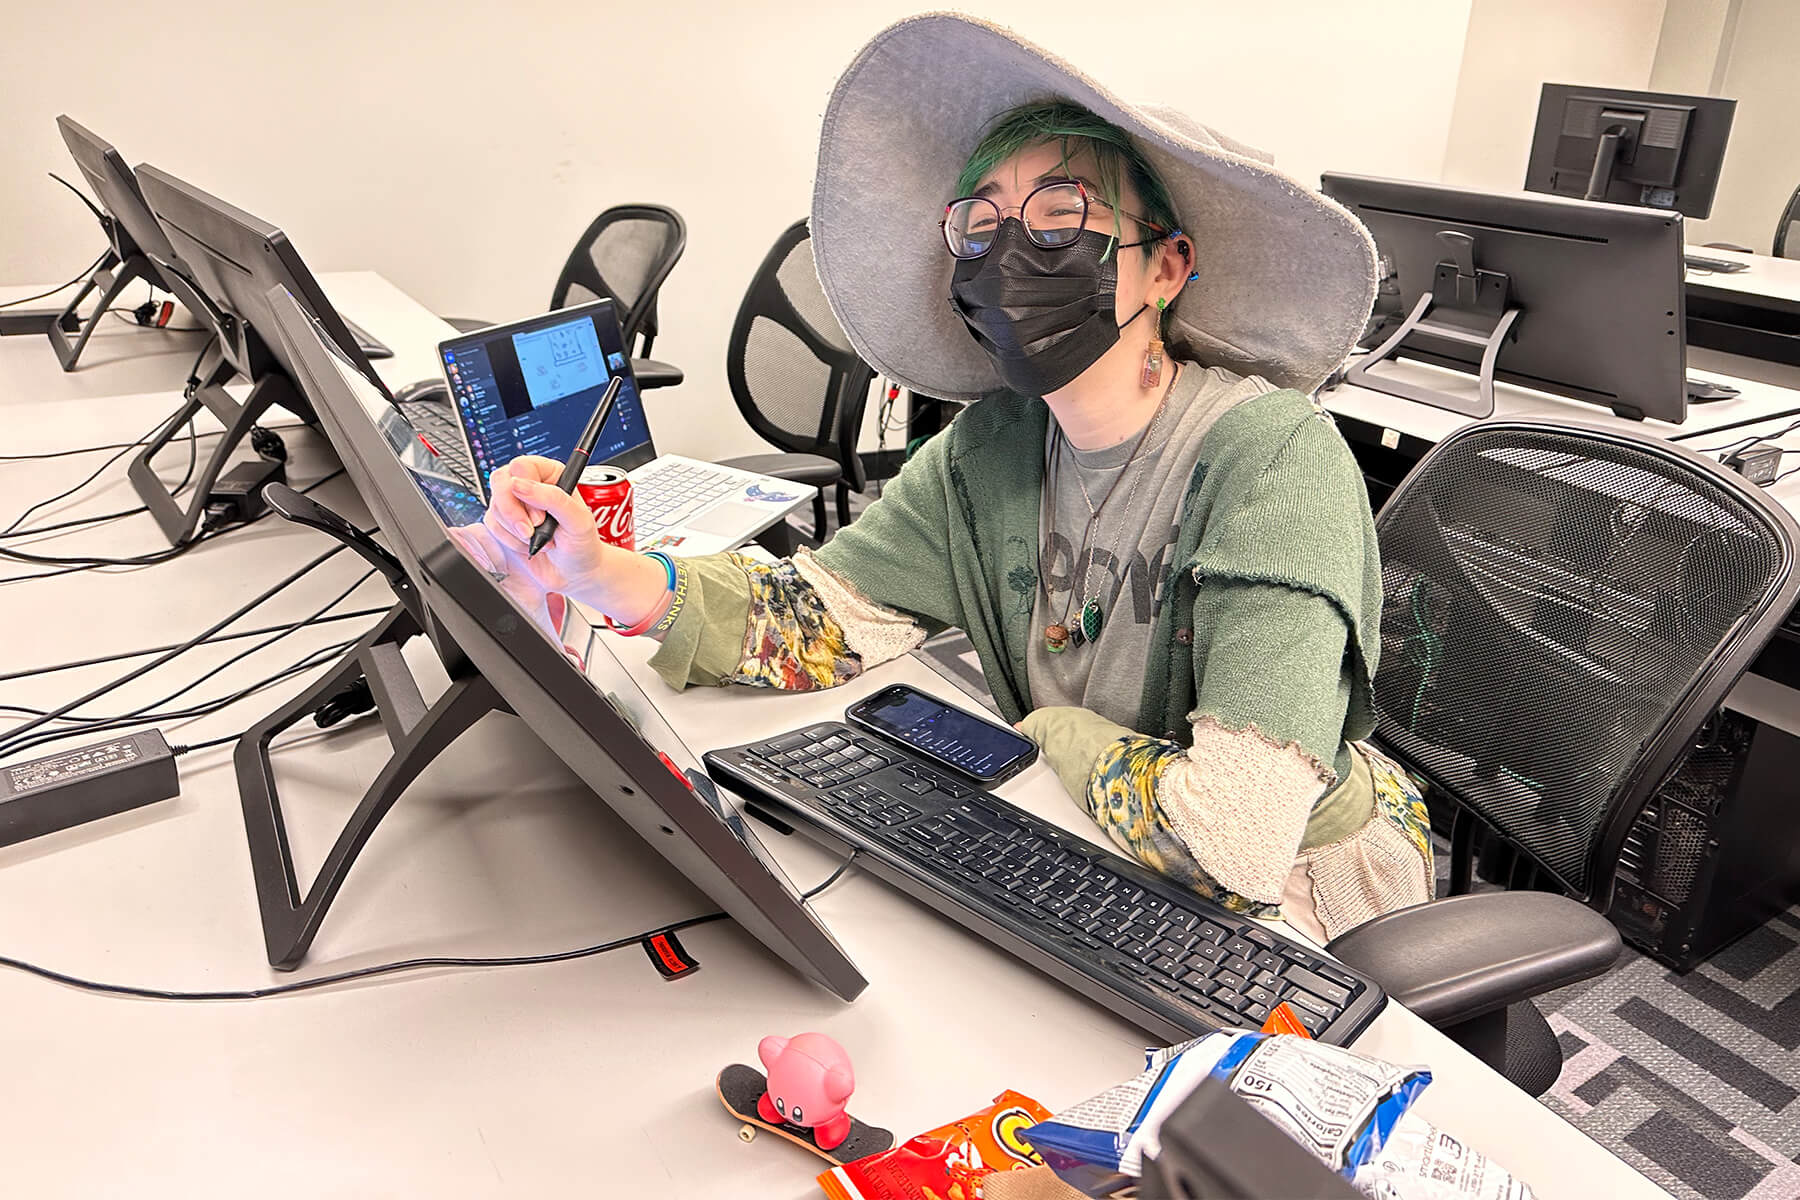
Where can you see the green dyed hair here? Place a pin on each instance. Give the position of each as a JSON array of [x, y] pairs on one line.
[[1074, 129]]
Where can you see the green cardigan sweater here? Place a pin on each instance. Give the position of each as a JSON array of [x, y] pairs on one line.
[[1275, 499]]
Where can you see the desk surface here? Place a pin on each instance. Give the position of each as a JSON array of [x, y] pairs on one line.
[[1768, 400], [1770, 278], [593, 1074]]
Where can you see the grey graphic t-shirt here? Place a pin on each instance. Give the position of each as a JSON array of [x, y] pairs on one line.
[[1107, 675]]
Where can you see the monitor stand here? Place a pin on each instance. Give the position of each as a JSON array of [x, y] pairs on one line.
[[111, 282], [417, 733], [272, 390], [1467, 306]]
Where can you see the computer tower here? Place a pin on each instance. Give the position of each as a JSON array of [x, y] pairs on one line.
[[1716, 851]]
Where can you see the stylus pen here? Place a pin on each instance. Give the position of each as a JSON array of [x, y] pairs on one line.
[[578, 461]]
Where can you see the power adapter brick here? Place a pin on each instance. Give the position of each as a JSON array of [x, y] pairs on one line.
[[76, 786]]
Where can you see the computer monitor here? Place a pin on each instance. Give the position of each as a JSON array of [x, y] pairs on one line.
[[472, 619], [1655, 149], [528, 387], [136, 243], [233, 259], [1581, 299]]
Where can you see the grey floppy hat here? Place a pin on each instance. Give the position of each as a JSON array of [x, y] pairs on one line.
[[1285, 280]]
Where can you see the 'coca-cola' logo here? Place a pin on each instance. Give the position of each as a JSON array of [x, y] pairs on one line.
[[612, 519]]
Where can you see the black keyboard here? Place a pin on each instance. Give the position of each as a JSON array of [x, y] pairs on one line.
[[365, 341], [433, 419], [1725, 266], [1146, 948]]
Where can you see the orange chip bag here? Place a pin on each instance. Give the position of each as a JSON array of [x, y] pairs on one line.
[[948, 1162]]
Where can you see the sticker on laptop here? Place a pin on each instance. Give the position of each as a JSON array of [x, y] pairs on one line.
[[756, 492]]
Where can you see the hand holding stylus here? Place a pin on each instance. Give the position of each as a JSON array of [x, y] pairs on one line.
[[578, 461]]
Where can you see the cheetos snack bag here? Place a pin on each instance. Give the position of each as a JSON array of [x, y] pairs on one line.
[[946, 1163]]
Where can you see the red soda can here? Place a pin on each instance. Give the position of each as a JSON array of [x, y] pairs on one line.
[[607, 493]]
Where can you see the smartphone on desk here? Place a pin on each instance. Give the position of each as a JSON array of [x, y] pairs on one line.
[[985, 751]]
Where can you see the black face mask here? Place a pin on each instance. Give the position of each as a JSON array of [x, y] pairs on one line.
[[1043, 316]]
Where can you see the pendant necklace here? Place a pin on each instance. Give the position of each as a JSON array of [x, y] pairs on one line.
[[1091, 618]]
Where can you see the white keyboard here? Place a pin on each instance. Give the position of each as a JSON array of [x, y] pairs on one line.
[[670, 494]]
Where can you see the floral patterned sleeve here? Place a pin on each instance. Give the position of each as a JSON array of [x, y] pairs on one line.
[[792, 641], [791, 625], [1122, 798]]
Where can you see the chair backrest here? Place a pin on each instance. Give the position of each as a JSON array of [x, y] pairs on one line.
[[1563, 609], [791, 369], [1787, 235], [624, 256]]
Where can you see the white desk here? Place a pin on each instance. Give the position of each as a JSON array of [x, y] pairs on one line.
[[1770, 278], [592, 1077], [1768, 394]]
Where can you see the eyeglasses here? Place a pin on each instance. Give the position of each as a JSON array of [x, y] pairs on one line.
[[1054, 214]]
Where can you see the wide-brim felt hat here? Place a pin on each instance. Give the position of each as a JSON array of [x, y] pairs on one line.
[[1285, 276]]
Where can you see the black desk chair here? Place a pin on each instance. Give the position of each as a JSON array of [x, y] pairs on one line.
[[624, 256], [1564, 609], [1784, 227], [796, 379]]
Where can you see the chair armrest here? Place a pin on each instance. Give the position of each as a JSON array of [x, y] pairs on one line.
[[651, 373], [1451, 960]]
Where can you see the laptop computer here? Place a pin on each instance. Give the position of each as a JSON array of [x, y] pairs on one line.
[[529, 386]]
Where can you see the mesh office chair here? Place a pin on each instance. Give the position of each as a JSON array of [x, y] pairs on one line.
[[624, 256], [1563, 610], [796, 379], [1786, 236]]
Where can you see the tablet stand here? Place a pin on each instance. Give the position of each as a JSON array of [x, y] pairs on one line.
[[272, 390], [1467, 306], [111, 283], [417, 733]]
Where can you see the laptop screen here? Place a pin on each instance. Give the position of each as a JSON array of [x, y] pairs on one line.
[[529, 388]]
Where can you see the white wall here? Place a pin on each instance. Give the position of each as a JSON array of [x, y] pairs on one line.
[[460, 149], [1762, 160], [1513, 48]]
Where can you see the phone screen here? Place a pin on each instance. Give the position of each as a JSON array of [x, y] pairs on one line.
[[953, 737]]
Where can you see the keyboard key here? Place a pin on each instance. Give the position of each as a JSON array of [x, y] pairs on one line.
[[919, 787], [1241, 948], [1239, 966], [1227, 998], [1257, 1012], [1300, 977], [1230, 980], [1305, 1002], [1260, 995]]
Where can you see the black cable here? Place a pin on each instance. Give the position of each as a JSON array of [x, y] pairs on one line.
[[223, 637], [11, 735], [99, 216], [410, 964], [270, 640], [203, 708], [311, 659], [148, 434], [151, 559], [187, 477], [834, 876], [91, 268], [4, 458]]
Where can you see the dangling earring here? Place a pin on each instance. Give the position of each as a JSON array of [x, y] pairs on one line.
[[1153, 356]]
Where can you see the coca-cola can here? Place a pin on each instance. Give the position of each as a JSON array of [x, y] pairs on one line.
[[607, 493]]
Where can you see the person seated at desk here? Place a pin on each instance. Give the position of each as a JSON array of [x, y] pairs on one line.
[[1168, 569]]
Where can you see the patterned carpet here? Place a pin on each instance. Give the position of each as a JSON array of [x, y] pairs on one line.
[[1692, 1079]]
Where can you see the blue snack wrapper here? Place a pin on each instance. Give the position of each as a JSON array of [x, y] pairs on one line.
[[1340, 1105]]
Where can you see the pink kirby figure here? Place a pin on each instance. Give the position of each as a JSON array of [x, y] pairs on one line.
[[809, 1081]]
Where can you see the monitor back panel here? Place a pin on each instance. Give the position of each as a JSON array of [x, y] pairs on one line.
[[1599, 286]]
